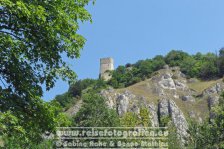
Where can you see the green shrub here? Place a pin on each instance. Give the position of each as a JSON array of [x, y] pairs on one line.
[[145, 118], [129, 119], [95, 113], [164, 121]]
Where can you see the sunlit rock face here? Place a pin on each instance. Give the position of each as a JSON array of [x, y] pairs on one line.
[[168, 93]]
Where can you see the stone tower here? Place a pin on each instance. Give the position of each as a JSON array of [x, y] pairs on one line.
[[106, 64]]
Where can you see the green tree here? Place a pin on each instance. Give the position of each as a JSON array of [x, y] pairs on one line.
[[173, 141], [217, 125], [95, 113], [158, 62], [120, 77], [33, 37], [208, 69], [66, 100], [209, 134], [221, 61], [25, 131], [77, 88], [175, 57], [146, 68], [188, 67]]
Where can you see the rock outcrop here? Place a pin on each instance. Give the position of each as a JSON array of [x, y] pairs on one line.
[[168, 93], [124, 102], [74, 109], [179, 121], [216, 89], [188, 98], [166, 81], [164, 107], [169, 108], [212, 95], [154, 115]]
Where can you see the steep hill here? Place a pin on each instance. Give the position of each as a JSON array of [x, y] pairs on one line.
[[191, 95], [168, 93]]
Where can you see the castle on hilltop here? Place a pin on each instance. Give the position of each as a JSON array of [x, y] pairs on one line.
[[106, 65]]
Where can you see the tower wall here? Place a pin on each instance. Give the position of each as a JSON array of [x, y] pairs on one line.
[[106, 64]]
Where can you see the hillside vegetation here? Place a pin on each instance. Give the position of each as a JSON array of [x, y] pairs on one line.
[[178, 90], [207, 68], [203, 66]]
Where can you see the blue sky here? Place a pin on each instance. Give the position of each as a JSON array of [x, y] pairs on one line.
[[131, 30]]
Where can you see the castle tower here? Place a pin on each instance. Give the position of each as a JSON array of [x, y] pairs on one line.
[[106, 64]]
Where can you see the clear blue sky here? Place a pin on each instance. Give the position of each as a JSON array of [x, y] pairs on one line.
[[129, 31]]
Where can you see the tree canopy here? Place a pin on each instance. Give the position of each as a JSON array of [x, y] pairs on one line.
[[95, 113], [203, 66], [34, 35]]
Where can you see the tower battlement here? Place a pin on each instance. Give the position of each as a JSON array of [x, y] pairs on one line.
[[106, 64], [106, 60]]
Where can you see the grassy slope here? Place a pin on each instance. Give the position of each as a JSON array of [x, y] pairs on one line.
[[145, 88], [200, 86]]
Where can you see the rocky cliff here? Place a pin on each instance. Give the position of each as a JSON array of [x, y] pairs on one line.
[[168, 94]]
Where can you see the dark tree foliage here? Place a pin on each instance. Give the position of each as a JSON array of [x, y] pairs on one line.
[[128, 65], [95, 113], [34, 34], [76, 91], [158, 62], [77, 88], [202, 66], [209, 135], [221, 62], [175, 58], [33, 37], [66, 100]]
